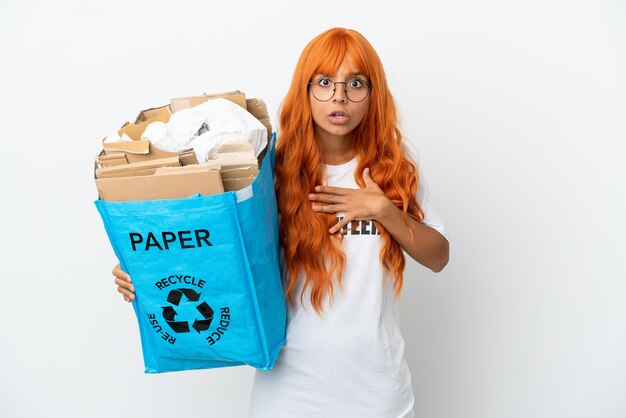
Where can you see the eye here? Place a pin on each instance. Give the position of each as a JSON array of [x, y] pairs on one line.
[[357, 83], [324, 82]]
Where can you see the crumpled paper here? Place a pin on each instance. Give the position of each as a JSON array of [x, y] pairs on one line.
[[206, 127]]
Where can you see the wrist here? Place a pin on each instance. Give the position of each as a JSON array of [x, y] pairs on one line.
[[386, 212]]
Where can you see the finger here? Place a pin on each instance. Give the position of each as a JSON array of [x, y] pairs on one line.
[[367, 178], [326, 198], [340, 224], [124, 284], [369, 182], [121, 275], [128, 296], [329, 208], [118, 272], [333, 190]]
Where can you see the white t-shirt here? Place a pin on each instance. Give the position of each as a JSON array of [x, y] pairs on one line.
[[349, 362]]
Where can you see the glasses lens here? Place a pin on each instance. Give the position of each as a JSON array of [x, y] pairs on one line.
[[323, 89], [357, 90]]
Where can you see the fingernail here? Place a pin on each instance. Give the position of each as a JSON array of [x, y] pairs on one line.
[[311, 196], [318, 188], [132, 288]]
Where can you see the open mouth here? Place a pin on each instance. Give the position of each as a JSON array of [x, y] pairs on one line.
[[338, 117]]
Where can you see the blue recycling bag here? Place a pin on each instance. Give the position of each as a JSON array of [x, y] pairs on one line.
[[206, 275]]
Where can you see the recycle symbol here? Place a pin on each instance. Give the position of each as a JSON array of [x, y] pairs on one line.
[[169, 313]]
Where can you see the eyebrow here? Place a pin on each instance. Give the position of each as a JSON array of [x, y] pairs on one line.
[[349, 75]]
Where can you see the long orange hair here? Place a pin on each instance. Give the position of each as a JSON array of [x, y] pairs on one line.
[[377, 141]]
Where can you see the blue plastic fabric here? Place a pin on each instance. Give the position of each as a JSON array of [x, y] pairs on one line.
[[206, 275]]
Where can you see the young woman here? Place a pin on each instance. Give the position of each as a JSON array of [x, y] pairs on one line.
[[351, 200]]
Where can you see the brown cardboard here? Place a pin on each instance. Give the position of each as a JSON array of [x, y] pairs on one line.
[[232, 185], [134, 130], [176, 182], [132, 147], [162, 113], [180, 103], [242, 146], [154, 154], [235, 154], [239, 165], [142, 168], [187, 169], [188, 157], [164, 186], [258, 109], [111, 160], [239, 172]]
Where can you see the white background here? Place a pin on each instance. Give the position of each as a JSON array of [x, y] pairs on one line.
[[517, 109]]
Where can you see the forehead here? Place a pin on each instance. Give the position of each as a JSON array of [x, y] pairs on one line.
[[345, 70]]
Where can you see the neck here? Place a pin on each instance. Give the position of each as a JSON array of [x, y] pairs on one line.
[[336, 149]]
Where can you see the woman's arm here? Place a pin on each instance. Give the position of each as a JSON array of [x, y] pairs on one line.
[[428, 247]]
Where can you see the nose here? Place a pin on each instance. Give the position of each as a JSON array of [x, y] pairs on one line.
[[341, 93]]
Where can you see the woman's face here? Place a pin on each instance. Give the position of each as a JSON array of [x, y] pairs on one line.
[[336, 118]]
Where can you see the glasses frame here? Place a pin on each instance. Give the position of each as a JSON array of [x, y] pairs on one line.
[[345, 89]]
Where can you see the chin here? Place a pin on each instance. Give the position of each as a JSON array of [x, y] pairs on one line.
[[339, 130]]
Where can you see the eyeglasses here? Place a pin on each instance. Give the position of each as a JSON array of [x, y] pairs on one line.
[[356, 90]]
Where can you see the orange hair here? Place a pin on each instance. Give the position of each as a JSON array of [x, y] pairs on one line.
[[377, 141]]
